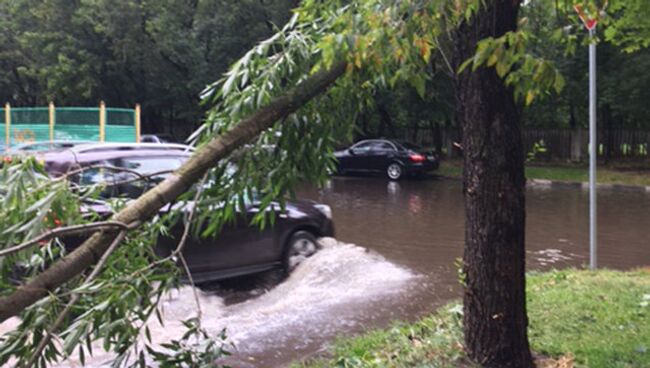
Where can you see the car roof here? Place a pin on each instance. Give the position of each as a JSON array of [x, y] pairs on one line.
[[394, 142], [59, 162], [103, 147], [47, 146], [398, 143]]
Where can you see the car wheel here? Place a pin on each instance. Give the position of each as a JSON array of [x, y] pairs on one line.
[[300, 246], [394, 171]]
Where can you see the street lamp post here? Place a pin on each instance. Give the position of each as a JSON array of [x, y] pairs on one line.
[[590, 23], [593, 150]]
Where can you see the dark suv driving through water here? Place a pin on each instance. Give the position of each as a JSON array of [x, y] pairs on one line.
[[239, 249]]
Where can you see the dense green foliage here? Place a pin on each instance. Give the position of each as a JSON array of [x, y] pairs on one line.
[[157, 53], [162, 54], [622, 82], [581, 318]]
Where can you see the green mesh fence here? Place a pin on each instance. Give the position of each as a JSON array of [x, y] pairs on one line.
[[122, 125], [32, 124]]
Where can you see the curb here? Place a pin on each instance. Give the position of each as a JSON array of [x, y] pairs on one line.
[[542, 183]]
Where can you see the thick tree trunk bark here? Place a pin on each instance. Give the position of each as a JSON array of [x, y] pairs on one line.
[[495, 321], [148, 204]]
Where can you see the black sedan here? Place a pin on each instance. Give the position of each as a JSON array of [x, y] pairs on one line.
[[391, 157]]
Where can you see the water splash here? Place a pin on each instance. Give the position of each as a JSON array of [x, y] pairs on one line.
[[328, 294]]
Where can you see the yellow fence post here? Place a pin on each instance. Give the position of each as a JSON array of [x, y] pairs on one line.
[[138, 113], [102, 121], [8, 124], [52, 120]]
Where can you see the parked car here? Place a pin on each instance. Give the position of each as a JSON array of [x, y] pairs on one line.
[[392, 157], [35, 148], [240, 247]]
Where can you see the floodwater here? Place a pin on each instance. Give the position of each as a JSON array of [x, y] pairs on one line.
[[395, 257]]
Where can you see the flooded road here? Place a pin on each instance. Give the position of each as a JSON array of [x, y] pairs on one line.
[[420, 224], [413, 231], [395, 259]]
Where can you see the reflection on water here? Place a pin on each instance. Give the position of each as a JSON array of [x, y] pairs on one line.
[[420, 223]]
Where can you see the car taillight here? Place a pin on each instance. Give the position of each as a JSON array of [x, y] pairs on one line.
[[416, 157]]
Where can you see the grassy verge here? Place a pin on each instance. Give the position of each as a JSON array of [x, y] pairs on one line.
[[577, 318], [621, 174]]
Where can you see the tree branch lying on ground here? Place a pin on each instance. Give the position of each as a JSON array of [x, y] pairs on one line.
[[176, 184]]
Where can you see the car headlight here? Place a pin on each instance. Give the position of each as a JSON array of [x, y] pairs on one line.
[[324, 209]]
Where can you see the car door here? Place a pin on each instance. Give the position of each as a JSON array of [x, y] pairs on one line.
[[359, 159], [239, 245], [380, 155]]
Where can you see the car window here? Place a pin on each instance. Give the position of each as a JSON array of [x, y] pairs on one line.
[[96, 175], [383, 146], [125, 182], [363, 146], [145, 166], [151, 165]]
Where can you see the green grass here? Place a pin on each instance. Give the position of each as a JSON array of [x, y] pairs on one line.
[[602, 318], [613, 174], [583, 318]]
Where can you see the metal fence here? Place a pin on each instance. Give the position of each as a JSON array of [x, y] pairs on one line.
[[42, 124], [559, 144]]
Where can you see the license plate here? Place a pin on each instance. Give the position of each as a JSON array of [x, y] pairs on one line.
[[430, 158]]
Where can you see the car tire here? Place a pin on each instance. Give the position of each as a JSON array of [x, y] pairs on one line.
[[394, 171], [300, 246]]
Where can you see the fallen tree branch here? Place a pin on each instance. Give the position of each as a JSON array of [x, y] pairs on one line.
[[181, 244], [67, 230], [80, 170], [73, 300], [173, 186]]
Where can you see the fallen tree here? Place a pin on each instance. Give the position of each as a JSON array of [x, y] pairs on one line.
[[176, 184]]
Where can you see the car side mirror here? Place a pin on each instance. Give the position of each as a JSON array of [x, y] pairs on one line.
[[352, 151]]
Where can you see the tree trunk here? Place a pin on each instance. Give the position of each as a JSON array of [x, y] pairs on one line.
[[386, 122], [495, 321], [436, 139], [176, 184]]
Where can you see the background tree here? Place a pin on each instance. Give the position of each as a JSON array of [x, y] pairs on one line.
[[153, 52], [622, 87]]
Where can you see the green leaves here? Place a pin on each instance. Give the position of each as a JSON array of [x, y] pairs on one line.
[[32, 203], [530, 76], [196, 348], [628, 24]]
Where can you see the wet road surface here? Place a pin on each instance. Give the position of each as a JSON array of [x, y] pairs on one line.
[[407, 236]]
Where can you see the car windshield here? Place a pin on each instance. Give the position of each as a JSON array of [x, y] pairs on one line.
[[126, 183]]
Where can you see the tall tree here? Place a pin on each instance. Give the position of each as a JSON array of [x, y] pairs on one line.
[[495, 321]]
